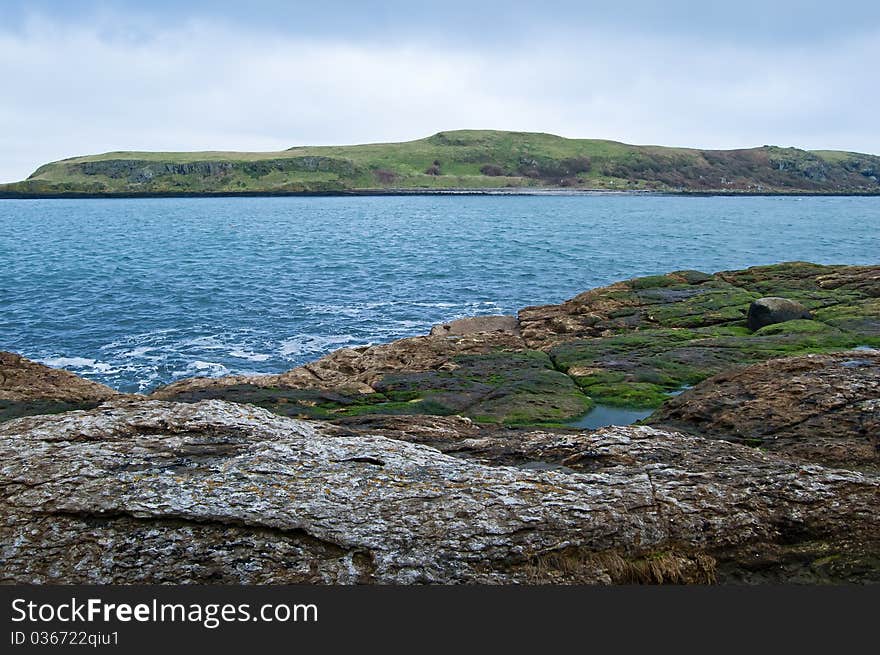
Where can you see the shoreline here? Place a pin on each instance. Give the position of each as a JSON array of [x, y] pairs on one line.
[[498, 192]]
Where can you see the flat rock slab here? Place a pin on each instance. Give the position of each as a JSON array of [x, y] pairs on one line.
[[476, 325], [217, 492], [489, 376]]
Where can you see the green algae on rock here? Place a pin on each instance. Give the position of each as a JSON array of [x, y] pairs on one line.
[[490, 377], [633, 342]]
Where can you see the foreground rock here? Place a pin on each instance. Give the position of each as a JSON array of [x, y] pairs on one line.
[[28, 388], [214, 492], [819, 408]]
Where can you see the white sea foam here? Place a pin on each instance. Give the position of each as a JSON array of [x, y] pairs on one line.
[[68, 362], [251, 356], [81, 364], [209, 342], [137, 352], [305, 344], [211, 369], [148, 381], [338, 310]]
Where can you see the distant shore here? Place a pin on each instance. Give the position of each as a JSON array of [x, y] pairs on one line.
[[431, 192]]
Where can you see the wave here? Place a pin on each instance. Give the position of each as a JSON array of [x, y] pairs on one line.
[[250, 356], [207, 369], [311, 344], [82, 364]]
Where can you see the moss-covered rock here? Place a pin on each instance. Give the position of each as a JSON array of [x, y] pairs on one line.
[[647, 338], [490, 377], [505, 387]]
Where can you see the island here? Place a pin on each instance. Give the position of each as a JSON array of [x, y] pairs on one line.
[[460, 161]]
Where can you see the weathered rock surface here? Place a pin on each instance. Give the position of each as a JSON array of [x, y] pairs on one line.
[[490, 376], [358, 369], [476, 325], [819, 408], [214, 492], [28, 388], [772, 310]]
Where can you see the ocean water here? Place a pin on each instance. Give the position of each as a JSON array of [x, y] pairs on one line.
[[136, 293]]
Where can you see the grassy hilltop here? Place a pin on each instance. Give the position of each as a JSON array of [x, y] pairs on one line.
[[463, 159]]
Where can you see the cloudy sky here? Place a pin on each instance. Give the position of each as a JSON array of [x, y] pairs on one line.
[[89, 76]]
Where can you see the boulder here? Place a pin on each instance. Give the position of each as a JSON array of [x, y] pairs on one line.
[[215, 492], [772, 310]]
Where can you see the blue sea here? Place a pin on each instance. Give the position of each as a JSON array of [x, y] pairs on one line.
[[136, 293]]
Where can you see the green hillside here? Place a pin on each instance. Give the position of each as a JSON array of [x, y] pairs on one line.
[[458, 160]]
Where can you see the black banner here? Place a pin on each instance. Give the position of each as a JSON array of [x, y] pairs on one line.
[[229, 619]]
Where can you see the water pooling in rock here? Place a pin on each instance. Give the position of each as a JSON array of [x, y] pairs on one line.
[[604, 415]]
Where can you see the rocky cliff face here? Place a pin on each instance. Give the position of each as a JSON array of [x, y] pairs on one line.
[[144, 171]]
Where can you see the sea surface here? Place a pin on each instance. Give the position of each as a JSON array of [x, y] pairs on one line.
[[136, 293]]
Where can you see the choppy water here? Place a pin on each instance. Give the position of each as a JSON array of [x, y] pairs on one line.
[[139, 292]]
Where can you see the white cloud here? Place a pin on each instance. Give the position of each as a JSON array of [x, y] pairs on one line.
[[70, 91]]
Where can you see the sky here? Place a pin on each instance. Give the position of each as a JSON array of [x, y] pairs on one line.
[[90, 76]]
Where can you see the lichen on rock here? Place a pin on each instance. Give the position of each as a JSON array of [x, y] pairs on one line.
[[217, 492]]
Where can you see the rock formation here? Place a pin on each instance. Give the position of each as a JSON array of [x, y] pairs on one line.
[[445, 458], [27, 388], [632, 343], [819, 408], [150, 491]]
